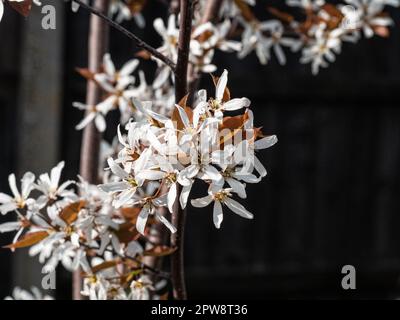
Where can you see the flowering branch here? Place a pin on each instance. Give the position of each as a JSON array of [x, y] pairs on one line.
[[90, 150], [139, 42], [178, 215]]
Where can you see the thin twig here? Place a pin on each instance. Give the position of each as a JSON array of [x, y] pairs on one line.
[[181, 88], [160, 273], [139, 42], [211, 13], [90, 149]]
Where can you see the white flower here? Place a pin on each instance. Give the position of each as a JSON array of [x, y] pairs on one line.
[[141, 288], [218, 106], [262, 36], [169, 35], [20, 294], [245, 153], [121, 79], [126, 188], [232, 172], [367, 14], [49, 185], [149, 206], [95, 287], [96, 114], [116, 83], [20, 199], [220, 197], [169, 48], [122, 12], [322, 48]]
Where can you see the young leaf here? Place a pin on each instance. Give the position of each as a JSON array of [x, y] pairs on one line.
[[245, 10], [235, 125], [23, 7], [136, 6], [70, 213], [28, 240], [86, 73], [105, 265], [283, 16], [144, 54], [159, 251], [127, 232]]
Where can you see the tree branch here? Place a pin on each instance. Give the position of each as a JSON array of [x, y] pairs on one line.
[[90, 149], [181, 88], [139, 42], [211, 10]]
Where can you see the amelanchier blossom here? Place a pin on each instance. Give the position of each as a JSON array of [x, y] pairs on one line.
[[186, 150], [162, 149], [104, 229]]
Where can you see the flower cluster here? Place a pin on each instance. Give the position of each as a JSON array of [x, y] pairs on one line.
[[172, 153], [319, 35], [104, 229], [120, 90], [79, 229]]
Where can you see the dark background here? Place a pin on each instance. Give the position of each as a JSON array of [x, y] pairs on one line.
[[331, 196]]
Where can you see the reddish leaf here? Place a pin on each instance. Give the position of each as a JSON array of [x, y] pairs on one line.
[[136, 6], [130, 213], [70, 213], [127, 232], [332, 10], [105, 265], [235, 122], [245, 10], [285, 17], [23, 7], [29, 239], [86, 73], [235, 125], [381, 31], [144, 54], [176, 116], [164, 296], [159, 251]]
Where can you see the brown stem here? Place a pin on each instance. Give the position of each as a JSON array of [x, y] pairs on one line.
[[181, 88], [90, 149], [211, 10], [139, 42]]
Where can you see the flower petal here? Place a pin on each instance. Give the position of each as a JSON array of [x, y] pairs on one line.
[[265, 142], [237, 208], [236, 104], [142, 219], [9, 226], [183, 198], [201, 202], [129, 67], [172, 197], [168, 224], [116, 169], [221, 85], [13, 185], [217, 214]]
